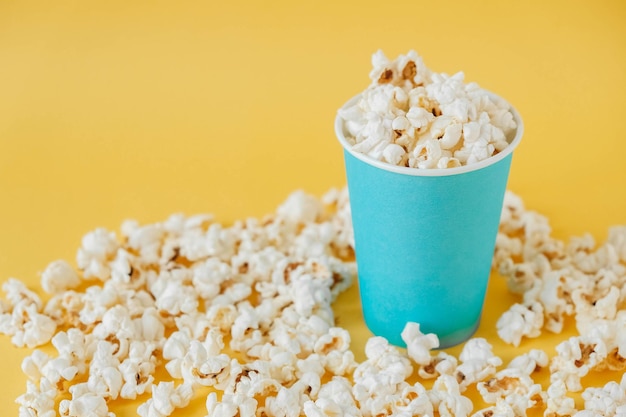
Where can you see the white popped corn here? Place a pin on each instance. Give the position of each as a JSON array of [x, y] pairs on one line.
[[246, 309], [38, 400], [98, 248], [609, 400], [477, 362], [138, 369], [557, 402], [85, 405], [447, 399], [59, 276], [580, 278], [413, 117], [166, 397], [21, 316], [513, 387], [532, 361], [418, 344], [440, 364], [520, 321]]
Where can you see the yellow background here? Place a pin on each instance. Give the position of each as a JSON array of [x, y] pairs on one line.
[[137, 109]]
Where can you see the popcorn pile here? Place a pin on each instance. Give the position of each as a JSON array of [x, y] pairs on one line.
[[556, 281], [413, 117], [241, 316]]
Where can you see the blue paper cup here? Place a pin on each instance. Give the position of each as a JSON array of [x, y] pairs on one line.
[[424, 240]]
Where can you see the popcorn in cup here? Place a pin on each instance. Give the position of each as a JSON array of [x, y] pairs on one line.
[[425, 230]]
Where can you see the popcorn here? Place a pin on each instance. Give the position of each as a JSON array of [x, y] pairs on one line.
[[200, 367], [558, 403], [38, 400], [441, 364], [410, 116], [299, 208], [287, 403], [418, 344], [98, 247], [28, 327], [532, 361], [18, 294], [336, 394], [378, 379], [21, 317], [96, 301], [208, 277], [165, 399], [84, 405], [137, 369], [321, 408], [477, 363], [59, 276], [609, 400], [333, 348], [580, 278], [576, 357], [75, 346], [414, 400], [520, 321], [173, 295], [231, 405], [447, 399], [123, 273], [617, 239], [105, 379], [144, 240], [501, 409], [513, 387], [174, 350], [246, 310], [54, 370]]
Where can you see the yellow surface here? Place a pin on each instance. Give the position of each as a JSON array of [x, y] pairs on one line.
[[137, 109]]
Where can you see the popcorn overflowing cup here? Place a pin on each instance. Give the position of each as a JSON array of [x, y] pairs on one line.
[[424, 230]]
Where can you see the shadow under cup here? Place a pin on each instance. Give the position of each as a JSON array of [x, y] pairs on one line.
[[424, 240]]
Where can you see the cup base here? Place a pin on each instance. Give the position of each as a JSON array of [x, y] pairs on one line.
[[458, 337]]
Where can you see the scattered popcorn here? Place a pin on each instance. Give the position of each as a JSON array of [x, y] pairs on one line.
[[609, 400], [558, 403], [575, 358], [530, 362], [447, 399], [176, 307], [232, 405], [29, 327], [165, 399], [413, 117], [555, 279], [138, 369], [441, 364], [513, 387], [59, 276], [418, 344], [85, 405], [38, 399], [21, 316], [98, 248], [477, 363], [520, 321]]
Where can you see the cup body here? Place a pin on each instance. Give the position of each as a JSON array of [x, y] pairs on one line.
[[424, 241]]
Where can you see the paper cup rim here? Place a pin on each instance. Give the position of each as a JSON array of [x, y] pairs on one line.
[[431, 172]]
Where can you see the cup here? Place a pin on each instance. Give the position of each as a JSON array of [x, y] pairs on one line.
[[424, 240]]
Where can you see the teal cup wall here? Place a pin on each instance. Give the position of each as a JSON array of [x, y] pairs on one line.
[[424, 243]]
